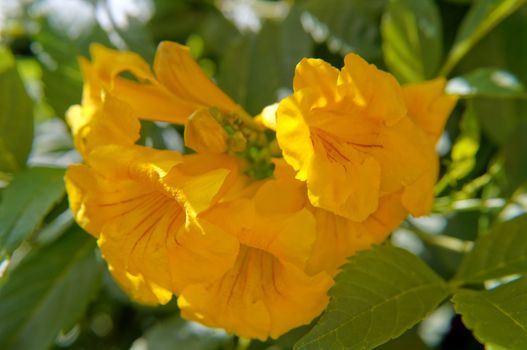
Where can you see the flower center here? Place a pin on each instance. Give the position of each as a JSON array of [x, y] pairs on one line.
[[250, 141]]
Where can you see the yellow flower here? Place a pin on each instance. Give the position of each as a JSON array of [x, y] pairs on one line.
[[144, 207], [267, 291], [172, 92], [348, 135]]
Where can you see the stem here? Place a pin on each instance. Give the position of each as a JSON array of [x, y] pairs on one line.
[[247, 120], [443, 241], [446, 204], [243, 343], [513, 199]]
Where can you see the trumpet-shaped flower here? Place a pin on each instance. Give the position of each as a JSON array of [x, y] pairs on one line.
[[348, 135], [175, 89], [144, 207], [267, 291]]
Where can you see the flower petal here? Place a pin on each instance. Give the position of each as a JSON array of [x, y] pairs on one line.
[[418, 197], [141, 223], [376, 90], [293, 134], [405, 155], [428, 106], [338, 237], [259, 297], [287, 235], [204, 134], [147, 97], [178, 72], [318, 74], [108, 121], [343, 179]]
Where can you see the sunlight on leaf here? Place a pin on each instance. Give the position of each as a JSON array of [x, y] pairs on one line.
[[412, 39], [482, 17], [487, 82]]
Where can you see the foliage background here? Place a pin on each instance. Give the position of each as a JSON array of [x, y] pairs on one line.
[[55, 291]]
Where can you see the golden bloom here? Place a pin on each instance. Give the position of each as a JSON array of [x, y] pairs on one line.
[[348, 135], [268, 290], [174, 90], [144, 207]]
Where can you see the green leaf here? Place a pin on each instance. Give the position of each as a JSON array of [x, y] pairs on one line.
[[48, 291], [255, 69], [412, 39], [346, 25], [16, 117], [497, 316], [408, 340], [482, 17], [490, 346], [500, 253], [25, 203], [64, 35], [487, 82], [464, 150], [378, 295], [176, 332]]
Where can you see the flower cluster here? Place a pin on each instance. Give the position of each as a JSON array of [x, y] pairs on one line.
[[247, 239]]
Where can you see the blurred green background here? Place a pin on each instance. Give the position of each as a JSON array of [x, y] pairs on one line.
[[55, 291]]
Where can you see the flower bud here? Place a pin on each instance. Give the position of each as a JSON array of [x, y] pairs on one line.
[[204, 134]]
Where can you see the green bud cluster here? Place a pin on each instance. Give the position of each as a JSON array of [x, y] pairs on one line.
[[249, 141]]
